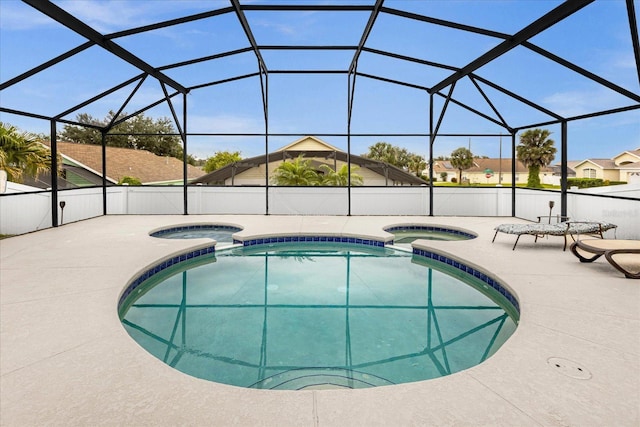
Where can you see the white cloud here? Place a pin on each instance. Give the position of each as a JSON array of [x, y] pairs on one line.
[[106, 16], [18, 16], [576, 102]]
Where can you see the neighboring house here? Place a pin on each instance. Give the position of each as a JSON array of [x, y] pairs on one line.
[[624, 167], [82, 166], [487, 171], [555, 178], [252, 171]]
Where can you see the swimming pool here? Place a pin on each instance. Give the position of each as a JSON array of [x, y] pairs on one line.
[[316, 315]]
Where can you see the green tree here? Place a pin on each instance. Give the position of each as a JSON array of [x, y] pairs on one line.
[[443, 176], [296, 172], [139, 132], [21, 154], [220, 159], [416, 164], [340, 178], [129, 180], [385, 152], [461, 159], [535, 151]]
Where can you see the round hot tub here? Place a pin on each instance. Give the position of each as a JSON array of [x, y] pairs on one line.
[[219, 232], [405, 234]]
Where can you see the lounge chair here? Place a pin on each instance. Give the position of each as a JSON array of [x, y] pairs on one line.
[[568, 228], [624, 255]]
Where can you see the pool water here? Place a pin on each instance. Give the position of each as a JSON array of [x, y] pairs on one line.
[[219, 233], [311, 316], [408, 236]]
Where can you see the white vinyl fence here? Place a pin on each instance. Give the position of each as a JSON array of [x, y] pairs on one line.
[[26, 212]]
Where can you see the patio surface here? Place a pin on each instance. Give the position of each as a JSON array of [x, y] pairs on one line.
[[65, 359]]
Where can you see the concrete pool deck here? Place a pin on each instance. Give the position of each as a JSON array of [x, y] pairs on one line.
[[65, 359]]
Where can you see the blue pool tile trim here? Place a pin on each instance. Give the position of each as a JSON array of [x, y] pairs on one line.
[[162, 266], [471, 271], [315, 239], [430, 228], [194, 227]]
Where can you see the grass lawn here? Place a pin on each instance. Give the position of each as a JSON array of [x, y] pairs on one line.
[[453, 184]]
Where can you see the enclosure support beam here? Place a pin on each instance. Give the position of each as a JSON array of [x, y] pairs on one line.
[[444, 108], [488, 101], [350, 96], [140, 78], [556, 15], [62, 16], [54, 174], [563, 169], [182, 130], [432, 139], [513, 174], [365, 35], [46, 65], [633, 26], [264, 84], [185, 154], [247, 30], [104, 172]]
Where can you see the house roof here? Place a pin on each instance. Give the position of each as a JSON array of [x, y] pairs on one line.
[[141, 164], [602, 163], [443, 164], [635, 153], [293, 150]]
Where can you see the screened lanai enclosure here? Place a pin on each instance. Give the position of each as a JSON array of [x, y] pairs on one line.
[[255, 76]]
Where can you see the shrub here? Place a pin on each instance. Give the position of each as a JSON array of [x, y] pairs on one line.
[[129, 180], [584, 182]]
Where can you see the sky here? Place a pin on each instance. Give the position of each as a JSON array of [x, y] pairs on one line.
[[596, 38]]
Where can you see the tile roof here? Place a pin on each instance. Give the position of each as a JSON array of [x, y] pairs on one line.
[[603, 163], [141, 164]]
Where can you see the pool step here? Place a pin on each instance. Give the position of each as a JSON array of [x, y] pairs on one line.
[[320, 378]]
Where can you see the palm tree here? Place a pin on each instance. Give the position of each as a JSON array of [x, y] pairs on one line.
[[21, 154], [341, 177], [296, 172], [461, 159], [535, 150], [416, 164]]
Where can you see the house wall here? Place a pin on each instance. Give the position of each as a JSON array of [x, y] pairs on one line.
[[580, 170], [256, 175], [253, 176], [480, 178], [370, 178], [612, 175]]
